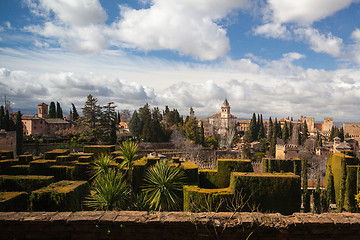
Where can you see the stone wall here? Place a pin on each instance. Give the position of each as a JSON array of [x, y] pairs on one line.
[[8, 140], [177, 225]]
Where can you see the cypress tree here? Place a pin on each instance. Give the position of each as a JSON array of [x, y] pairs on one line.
[[261, 134], [75, 114], [2, 117], [285, 133], [52, 110], [272, 148], [290, 129], [330, 186], [253, 128], [202, 134], [7, 121], [342, 186], [341, 134], [59, 113], [271, 129], [316, 195], [19, 134], [306, 195]]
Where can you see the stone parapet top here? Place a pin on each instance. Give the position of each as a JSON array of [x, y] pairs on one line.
[[244, 218]]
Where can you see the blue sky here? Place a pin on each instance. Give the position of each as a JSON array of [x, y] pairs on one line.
[[276, 57]]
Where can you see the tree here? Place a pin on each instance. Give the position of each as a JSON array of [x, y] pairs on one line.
[[306, 193], [285, 133], [7, 121], [341, 134], [75, 115], [147, 129], [191, 127], [2, 117], [52, 110], [59, 112], [90, 121], [19, 134], [270, 130], [202, 134], [113, 136], [135, 125], [107, 118], [164, 185], [253, 128], [158, 131], [272, 148], [261, 129]]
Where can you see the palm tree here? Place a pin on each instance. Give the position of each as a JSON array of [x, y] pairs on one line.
[[128, 152], [163, 186], [109, 192]]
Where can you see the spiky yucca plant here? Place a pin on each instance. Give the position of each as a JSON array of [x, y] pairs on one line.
[[101, 165], [163, 186], [109, 192], [128, 152]]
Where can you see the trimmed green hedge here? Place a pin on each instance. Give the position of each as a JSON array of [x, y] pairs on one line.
[[63, 159], [82, 171], [14, 201], [85, 158], [220, 178], [6, 164], [19, 170], [7, 154], [280, 165], [41, 167], [51, 155], [62, 172], [334, 162], [205, 200], [99, 149], [140, 167], [25, 159], [60, 196], [352, 187], [191, 173], [75, 156], [269, 192], [27, 183]]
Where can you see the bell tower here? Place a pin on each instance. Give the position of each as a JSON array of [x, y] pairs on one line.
[[42, 110]]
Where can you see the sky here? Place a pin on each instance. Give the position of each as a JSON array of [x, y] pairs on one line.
[[279, 58]]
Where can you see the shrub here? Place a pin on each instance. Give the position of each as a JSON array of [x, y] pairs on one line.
[[163, 186], [99, 149], [60, 196], [13, 201], [24, 183], [41, 167], [62, 172], [51, 155], [25, 159]]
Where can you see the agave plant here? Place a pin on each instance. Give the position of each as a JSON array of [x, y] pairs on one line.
[[109, 192], [101, 165], [128, 152], [163, 186]]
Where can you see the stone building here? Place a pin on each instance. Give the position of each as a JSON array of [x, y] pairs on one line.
[[221, 122], [40, 125], [8, 140], [287, 151], [353, 130]]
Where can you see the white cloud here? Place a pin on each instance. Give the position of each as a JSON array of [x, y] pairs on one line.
[[354, 50], [305, 11], [273, 30], [188, 27], [77, 25], [320, 43]]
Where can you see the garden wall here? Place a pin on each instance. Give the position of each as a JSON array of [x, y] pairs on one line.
[[177, 225]]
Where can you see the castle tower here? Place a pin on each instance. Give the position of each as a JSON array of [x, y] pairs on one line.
[[328, 124], [43, 110], [225, 114]]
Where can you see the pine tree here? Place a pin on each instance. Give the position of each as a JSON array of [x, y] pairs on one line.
[[135, 125], [145, 117], [90, 121], [158, 131], [75, 115], [59, 113], [19, 134], [191, 128], [52, 110]]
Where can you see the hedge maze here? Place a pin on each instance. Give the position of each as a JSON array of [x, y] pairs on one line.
[[59, 181]]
